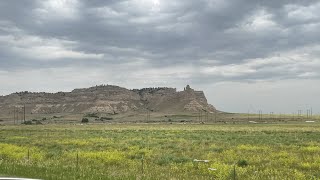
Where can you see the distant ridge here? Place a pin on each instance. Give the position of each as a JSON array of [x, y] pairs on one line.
[[109, 99]]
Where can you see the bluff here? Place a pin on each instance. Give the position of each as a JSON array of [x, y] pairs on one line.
[[109, 99]]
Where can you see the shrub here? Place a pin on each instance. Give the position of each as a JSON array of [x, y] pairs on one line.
[[38, 122], [94, 115], [170, 158], [242, 163], [106, 118], [85, 120], [27, 123]]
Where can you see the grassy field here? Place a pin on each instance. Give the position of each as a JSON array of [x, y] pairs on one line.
[[161, 151]]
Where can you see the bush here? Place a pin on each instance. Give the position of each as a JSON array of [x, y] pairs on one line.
[[38, 122], [242, 163], [85, 120], [27, 123], [94, 115], [170, 158], [105, 118]]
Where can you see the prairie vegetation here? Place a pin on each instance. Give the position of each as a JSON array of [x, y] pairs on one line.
[[162, 151]]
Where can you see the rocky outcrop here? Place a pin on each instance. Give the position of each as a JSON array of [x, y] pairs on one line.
[[109, 99]]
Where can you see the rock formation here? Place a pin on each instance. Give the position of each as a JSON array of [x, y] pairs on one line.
[[109, 99]]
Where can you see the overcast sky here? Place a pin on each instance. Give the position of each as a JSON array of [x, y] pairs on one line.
[[245, 54]]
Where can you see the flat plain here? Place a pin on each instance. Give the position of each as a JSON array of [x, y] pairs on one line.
[[161, 151]]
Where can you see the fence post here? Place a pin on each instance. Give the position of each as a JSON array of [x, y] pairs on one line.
[[142, 164], [234, 172], [77, 165], [28, 155], [77, 175]]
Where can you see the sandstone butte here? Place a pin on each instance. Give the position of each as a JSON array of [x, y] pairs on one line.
[[109, 99]]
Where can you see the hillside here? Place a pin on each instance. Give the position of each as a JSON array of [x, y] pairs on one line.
[[108, 99]]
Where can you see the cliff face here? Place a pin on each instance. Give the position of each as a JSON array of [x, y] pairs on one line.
[[109, 99]]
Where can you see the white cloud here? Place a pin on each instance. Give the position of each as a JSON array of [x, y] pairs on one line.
[[257, 23], [230, 70], [303, 13], [144, 6], [107, 12], [299, 63], [58, 9], [261, 20], [36, 47], [142, 12], [165, 73], [8, 26], [216, 5], [308, 74]]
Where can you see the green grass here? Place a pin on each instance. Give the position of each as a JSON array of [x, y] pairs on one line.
[[161, 151]]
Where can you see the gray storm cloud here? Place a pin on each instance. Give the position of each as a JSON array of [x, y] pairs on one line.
[[52, 45]]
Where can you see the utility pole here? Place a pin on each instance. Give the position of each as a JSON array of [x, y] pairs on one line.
[[207, 116], [14, 115], [17, 114], [215, 116], [24, 113], [273, 116], [260, 115], [293, 116], [148, 116]]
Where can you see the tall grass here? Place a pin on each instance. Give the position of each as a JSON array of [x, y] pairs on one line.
[[282, 151]]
